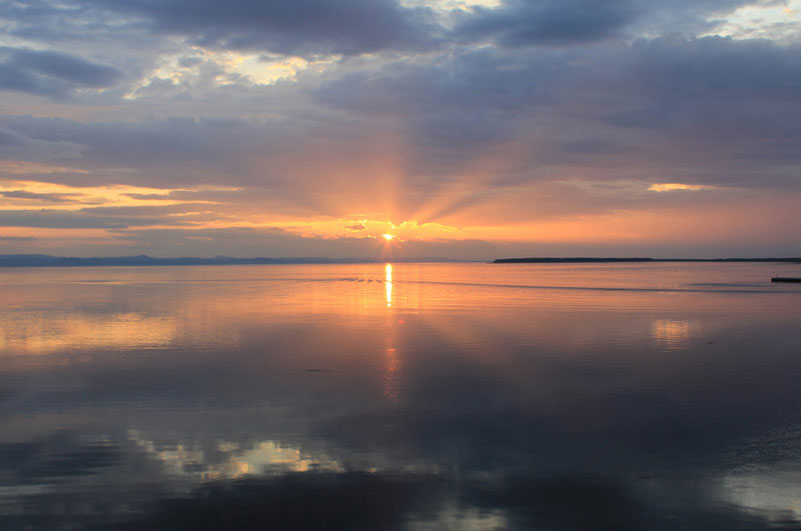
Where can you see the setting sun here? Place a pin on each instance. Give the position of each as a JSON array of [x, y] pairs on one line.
[[388, 237]]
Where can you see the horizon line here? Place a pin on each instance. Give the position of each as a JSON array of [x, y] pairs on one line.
[[44, 260]]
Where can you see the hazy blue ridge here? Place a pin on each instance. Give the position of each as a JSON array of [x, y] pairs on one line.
[[43, 260]]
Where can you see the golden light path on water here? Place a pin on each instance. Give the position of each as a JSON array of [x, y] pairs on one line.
[[388, 282], [392, 362]]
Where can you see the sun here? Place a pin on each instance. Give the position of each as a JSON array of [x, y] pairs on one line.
[[388, 237]]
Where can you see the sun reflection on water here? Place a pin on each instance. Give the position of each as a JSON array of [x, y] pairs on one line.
[[392, 367], [388, 282], [672, 332], [51, 331]]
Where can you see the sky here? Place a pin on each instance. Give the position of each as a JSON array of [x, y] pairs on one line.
[[463, 129]]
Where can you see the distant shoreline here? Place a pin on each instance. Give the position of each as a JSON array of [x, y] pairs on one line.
[[636, 260], [44, 260]]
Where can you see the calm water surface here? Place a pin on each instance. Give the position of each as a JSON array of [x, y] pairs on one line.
[[410, 396]]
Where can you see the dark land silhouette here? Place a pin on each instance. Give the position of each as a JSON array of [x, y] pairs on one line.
[[585, 260]]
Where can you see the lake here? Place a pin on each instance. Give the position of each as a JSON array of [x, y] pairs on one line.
[[401, 396]]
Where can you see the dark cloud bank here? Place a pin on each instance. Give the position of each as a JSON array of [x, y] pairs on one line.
[[51, 73]]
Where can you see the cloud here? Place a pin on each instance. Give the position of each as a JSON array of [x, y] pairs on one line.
[[527, 108], [305, 27], [75, 220], [516, 23], [17, 238], [51, 73], [16, 146], [276, 242], [672, 187], [49, 198], [718, 108], [548, 22]]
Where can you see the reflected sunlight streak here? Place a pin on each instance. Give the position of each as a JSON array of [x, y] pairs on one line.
[[388, 282], [392, 368], [671, 332]]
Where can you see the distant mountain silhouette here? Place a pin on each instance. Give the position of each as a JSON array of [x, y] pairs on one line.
[[44, 260]]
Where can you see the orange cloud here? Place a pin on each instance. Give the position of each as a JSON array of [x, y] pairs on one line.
[[672, 187]]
